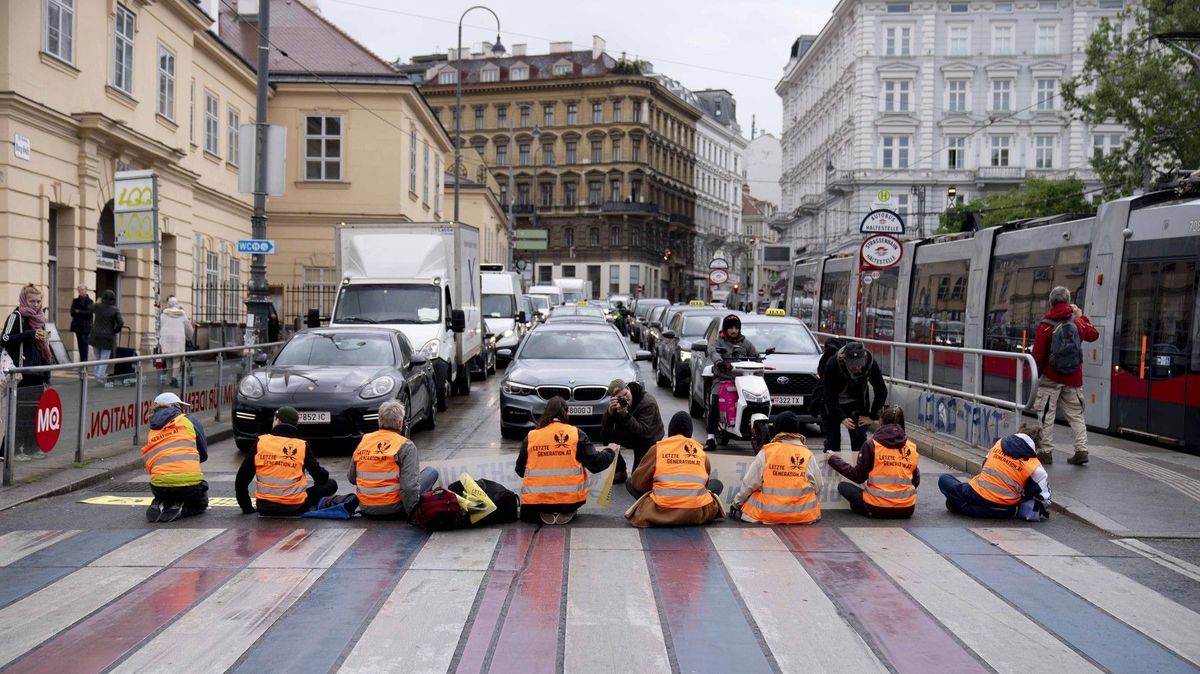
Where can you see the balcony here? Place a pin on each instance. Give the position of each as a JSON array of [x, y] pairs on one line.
[[629, 207], [810, 202], [522, 209], [679, 219], [839, 182], [1000, 173]]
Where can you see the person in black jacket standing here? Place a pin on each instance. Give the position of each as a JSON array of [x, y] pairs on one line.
[[81, 320], [854, 393]]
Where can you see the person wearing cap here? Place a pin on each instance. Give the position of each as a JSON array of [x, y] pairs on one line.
[[175, 447], [386, 470], [855, 392], [730, 347], [1013, 482], [277, 467], [782, 485], [631, 420], [553, 464], [672, 483], [888, 466]]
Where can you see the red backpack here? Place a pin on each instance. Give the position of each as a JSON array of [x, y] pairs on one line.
[[438, 510]]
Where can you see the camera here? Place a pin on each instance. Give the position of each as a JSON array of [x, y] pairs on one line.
[[622, 402]]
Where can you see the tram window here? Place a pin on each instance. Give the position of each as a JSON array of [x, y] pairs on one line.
[[804, 294], [937, 313], [835, 298]]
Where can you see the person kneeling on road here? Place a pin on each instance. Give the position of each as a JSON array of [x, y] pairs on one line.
[[1013, 482], [175, 448], [277, 467], [888, 464], [553, 464], [672, 482], [847, 401], [631, 420], [386, 469], [781, 485]]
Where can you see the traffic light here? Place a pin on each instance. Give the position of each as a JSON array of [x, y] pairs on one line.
[[667, 254]]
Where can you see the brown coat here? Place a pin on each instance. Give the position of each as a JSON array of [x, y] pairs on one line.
[[646, 513]]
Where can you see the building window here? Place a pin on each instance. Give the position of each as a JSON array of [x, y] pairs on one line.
[[897, 41], [425, 174], [570, 198], [959, 8], [960, 41], [597, 112], [634, 277], [562, 69], [523, 154], [616, 111], [568, 270], [635, 189], [896, 95], [211, 124], [448, 76], [594, 189], [1047, 38], [1103, 143], [637, 110], [1001, 95], [572, 109], [489, 75], [1043, 151], [501, 154], [547, 154], [956, 153], [519, 74], [479, 123], [547, 115], [594, 236], [547, 192], [1002, 39], [123, 30], [233, 121], [571, 159], [503, 194], [895, 151], [1003, 7], [523, 194], [525, 115], [614, 191], [1112, 4], [897, 8], [412, 160], [212, 281], [614, 277], [1047, 93], [323, 147], [1000, 150], [635, 237], [597, 151], [166, 82], [59, 38], [192, 113], [545, 272], [616, 149], [437, 188], [956, 95], [637, 150], [502, 116]]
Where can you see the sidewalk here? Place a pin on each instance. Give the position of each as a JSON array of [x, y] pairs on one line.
[[1127, 489]]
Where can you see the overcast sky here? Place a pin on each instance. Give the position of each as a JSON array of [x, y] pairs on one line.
[[741, 45]]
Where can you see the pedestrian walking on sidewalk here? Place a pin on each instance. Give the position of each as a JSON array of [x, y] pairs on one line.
[[81, 321], [386, 470], [175, 448], [782, 485], [107, 323], [1058, 351], [672, 483], [553, 464], [277, 466], [1013, 482], [175, 335], [888, 466]]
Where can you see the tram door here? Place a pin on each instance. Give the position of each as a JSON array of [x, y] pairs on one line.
[[1158, 305]]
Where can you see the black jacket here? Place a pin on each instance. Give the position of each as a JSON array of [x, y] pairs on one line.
[[639, 428], [836, 379], [106, 326], [20, 341], [736, 349], [81, 315], [245, 474]]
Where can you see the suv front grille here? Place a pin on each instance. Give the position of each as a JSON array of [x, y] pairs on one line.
[[589, 393], [579, 393], [548, 392], [792, 384]]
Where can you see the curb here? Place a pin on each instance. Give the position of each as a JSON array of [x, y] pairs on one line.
[[118, 468]]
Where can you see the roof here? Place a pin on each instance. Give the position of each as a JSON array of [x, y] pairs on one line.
[[750, 205], [541, 66], [310, 41]]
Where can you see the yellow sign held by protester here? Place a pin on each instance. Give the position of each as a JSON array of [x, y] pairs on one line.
[[482, 503], [604, 486]]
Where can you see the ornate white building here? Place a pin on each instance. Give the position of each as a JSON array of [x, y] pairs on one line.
[[906, 100]]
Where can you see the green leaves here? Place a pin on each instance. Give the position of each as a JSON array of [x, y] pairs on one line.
[[1037, 197]]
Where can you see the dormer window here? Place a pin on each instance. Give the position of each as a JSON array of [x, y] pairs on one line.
[[489, 74], [562, 68], [448, 77], [518, 73]]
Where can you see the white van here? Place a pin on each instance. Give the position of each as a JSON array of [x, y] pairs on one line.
[[502, 313], [552, 293]]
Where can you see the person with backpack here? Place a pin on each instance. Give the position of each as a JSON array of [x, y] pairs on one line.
[[1058, 351], [888, 466], [386, 471], [854, 392], [553, 464], [277, 467]]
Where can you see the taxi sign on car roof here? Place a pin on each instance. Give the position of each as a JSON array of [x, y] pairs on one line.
[[696, 303], [581, 303], [776, 312]]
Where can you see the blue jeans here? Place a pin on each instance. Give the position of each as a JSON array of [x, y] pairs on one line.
[[102, 354], [962, 499]]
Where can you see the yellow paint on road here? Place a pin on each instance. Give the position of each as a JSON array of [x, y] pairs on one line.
[[109, 499]]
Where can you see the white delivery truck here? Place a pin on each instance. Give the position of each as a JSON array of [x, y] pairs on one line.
[[553, 294], [503, 317], [574, 289], [422, 279]]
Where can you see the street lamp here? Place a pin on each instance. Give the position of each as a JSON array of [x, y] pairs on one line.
[[497, 50]]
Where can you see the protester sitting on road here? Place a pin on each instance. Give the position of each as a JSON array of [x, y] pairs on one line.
[[730, 347], [386, 469], [888, 464], [277, 467], [1013, 482], [631, 420], [1057, 349], [175, 447], [848, 402], [782, 484], [672, 482], [553, 463]]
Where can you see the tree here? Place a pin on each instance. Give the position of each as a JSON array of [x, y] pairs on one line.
[[1036, 198], [1131, 78]]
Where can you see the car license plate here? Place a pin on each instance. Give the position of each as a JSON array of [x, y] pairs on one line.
[[582, 410], [787, 400], [314, 417]]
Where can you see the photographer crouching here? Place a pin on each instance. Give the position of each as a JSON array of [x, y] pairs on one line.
[[632, 420]]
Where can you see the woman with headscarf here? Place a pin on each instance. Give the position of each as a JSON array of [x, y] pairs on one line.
[[672, 482], [106, 325], [174, 335], [27, 342], [553, 464]]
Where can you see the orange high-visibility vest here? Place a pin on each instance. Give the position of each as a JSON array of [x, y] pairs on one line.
[[170, 455], [1003, 477], [786, 495], [680, 476], [279, 470], [552, 474], [377, 473], [889, 484]]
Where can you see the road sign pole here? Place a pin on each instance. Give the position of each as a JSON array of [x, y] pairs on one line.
[[156, 272], [256, 303]]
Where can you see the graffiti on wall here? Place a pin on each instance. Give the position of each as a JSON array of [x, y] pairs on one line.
[[973, 423]]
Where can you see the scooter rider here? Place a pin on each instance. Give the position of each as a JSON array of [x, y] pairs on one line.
[[731, 346]]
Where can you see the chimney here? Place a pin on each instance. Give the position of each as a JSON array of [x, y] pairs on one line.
[[486, 52], [598, 46], [212, 9], [560, 47], [247, 7], [518, 49]]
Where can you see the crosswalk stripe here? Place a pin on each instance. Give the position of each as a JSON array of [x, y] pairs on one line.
[[215, 633], [896, 626], [421, 622], [529, 638], [41, 615], [37, 570], [774, 585], [18, 544], [612, 619], [1147, 611], [1161, 558], [1002, 636], [1107, 641], [510, 559]]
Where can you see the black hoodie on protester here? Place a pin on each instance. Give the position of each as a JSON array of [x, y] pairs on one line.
[[639, 428], [836, 380], [246, 473]]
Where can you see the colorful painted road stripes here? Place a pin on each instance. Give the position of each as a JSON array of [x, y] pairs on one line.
[[525, 599]]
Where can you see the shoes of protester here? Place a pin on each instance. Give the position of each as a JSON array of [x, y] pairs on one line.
[[710, 445], [154, 512], [1046, 458], [1078, 459], [171, 512], [620, 476], [557, 518]]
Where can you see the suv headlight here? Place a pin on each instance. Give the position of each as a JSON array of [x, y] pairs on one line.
[[512, 388], [507, 333], [430, 349], [251, 387], [380, 386]]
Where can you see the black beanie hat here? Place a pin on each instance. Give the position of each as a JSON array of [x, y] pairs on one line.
[[681, 424], [731, 320], [786, 422]]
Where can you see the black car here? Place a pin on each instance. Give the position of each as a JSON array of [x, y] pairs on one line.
[[674, 346], [641, 316], [336, 378]]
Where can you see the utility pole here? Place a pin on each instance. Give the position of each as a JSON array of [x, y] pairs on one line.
[[257, 302]]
